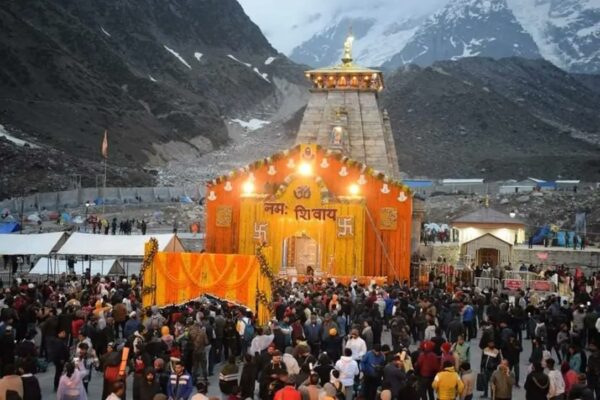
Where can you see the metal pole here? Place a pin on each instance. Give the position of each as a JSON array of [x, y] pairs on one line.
[[104, 186]]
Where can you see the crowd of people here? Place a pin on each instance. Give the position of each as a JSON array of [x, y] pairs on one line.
[[99, 225], [325, 341]]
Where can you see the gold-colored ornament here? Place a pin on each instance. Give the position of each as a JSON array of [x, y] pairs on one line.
[[224, 216], [388, 219]]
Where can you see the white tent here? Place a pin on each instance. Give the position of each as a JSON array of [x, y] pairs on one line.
[[88, 244], [30, 244], [48, 266]]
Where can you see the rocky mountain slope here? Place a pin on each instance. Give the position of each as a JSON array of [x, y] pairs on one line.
[[564, 32], [467, 28], [163, 76], [493, 119]]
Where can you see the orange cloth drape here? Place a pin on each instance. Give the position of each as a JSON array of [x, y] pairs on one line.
[[180, 277]]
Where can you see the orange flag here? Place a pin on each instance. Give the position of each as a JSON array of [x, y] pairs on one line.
[[105, 145]]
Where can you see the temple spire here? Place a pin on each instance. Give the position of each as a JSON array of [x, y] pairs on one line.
[[347, 56]]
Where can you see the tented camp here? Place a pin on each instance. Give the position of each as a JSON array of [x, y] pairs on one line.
[[87, 244], [129, 249], [48, 267], [35, 244]]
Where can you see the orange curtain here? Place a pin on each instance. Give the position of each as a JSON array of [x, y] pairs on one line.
[[175, 278]]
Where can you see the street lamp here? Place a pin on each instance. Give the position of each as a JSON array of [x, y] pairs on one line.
[[513, 213], [87, 206]]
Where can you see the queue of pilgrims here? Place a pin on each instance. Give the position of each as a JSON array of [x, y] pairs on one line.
[[326, 341]]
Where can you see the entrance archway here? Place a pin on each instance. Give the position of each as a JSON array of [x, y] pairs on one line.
[[488, 255], [301, 255]]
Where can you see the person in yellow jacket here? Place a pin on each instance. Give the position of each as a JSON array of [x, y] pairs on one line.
[[447, 383]]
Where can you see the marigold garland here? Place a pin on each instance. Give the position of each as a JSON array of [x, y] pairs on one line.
[[149, 254], [265, 270]]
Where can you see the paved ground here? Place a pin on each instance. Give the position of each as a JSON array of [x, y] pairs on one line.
[[95, 387]]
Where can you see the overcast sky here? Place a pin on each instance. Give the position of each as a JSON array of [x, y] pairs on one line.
[[287, 23]]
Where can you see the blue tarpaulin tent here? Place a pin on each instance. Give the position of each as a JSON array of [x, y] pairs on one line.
[[185, 199], [9, 227]]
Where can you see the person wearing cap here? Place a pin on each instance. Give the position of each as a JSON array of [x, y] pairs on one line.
[[447, 355], [132, 325], [332, 344], [427, 367]]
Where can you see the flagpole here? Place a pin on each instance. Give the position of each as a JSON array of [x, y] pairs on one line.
[[104, 187]]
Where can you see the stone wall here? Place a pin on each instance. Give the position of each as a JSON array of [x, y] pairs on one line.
[[588, 257], [113, 195], [449, 251]]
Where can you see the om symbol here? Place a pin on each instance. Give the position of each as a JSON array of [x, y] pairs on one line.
[[302, 192]]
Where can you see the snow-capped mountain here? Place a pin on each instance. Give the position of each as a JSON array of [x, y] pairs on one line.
[[381, 30], [567, 32], [467, 28], [564, 32]]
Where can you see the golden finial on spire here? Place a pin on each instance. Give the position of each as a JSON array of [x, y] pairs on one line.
[[347, 57]]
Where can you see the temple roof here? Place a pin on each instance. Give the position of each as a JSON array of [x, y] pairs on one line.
[[487, 216], [347, 67], [350, 68]]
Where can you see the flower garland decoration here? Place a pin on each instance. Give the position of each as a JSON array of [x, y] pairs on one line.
[[329, 154], [149, 254], [266, 271]]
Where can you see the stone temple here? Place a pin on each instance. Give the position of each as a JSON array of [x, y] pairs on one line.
[[343, 114]]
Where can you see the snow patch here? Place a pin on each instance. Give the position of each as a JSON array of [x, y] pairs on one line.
[[17, 141], [262, 75], [198, 56], [152, 79], [252, 124], [269, 60], [241, 62], [265, 76], [592, 30], [176, 54], [104, 31]]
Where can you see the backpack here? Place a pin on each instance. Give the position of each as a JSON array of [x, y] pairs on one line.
[[396, 327], [541, 332], [248, 331], [339, 391], [111, 373], [154, 322]]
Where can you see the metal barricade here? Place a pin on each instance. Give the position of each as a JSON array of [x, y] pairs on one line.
[[487, 283]]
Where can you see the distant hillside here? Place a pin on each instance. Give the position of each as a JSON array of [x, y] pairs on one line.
[[161, 75], [509, 118]]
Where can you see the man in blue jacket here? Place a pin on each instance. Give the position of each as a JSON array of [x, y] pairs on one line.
[[372, 368], [180, 384]]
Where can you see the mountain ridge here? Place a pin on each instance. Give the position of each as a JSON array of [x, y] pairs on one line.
[[566, 33]]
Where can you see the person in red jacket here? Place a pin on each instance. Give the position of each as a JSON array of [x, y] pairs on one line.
[[428, 365], [288, 392]]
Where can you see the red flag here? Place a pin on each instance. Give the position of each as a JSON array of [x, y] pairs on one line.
[[105, 145]]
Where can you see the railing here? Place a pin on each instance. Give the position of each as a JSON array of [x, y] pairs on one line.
[[538, 285], [487, 283]]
